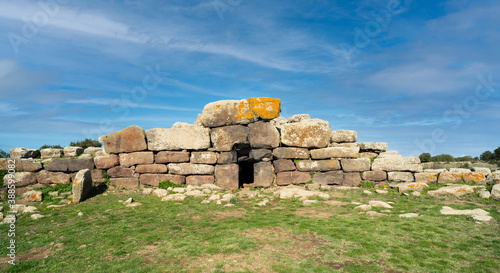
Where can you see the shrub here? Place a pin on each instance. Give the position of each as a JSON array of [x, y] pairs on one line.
[[86, 143], [366, 184], [50, 146], [4, 154], [166, 184], [106, 177], [2, 174]]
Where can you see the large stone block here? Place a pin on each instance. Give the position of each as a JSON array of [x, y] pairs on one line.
[[28, 165], [190, 137], [224, 138], [329, 178], [426, 177], [372, 146], [374, 176], [131, 159], [204, 157], [400, 176], [317, 165], [263, 174], [131, 139], [93, 150], [46, 177], [24, 153], [151, 168], [21, 179], [475, 177], [172, 157], [107, 161], [82, 185], [296, 177], [485, 171], [198, 180], [283, 165], [120, 171], [450, 177], [397, 163], [226, 176], [307, 134], [97, 176], [261, 154], [494, 178], [154, 179], [495, 192], [344, 136], [189, 169], [351, 179], [227, 157], [230, 112], [291, 153], [263, 135], [69, 164], [335, 152], [355, 165], [72, 151], [126, 182], [412, 186], [51, 153], [298, 118]]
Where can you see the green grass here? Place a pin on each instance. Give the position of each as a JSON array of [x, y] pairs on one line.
[[285, 236]]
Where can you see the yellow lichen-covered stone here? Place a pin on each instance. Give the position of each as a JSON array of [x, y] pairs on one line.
[[231, 112]]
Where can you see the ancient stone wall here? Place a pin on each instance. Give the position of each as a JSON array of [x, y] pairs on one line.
[[233, 144]]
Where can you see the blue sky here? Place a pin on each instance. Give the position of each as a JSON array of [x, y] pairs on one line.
[[423, 76]]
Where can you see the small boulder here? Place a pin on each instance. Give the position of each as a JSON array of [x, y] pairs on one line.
[[82, 185]]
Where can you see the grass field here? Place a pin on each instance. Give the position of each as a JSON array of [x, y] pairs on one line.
[[284, 236]]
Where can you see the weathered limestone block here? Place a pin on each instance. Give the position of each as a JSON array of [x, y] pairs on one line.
[[351, 179], [226, 176], [298, 118], [21, 179], [291, 153], [28, 165], [204, 157], [188, 168], [227, 157], [344, 136], [485, 171], [475, 177], [263, 135], [86, 156], [131, 159], [107, 161], [397, 163], [426, 177], [46, 177], [329, 178], [368, 154], [224, 138], [459, 170], [24, 153], [494, 178], [412, 186], [131, 139], [93, 150], [230, 112], [356, 165], [154, 179], [69, 164], [455, 190], [374, 176], [401, 176], [172, 157], [120, 171], [126, 182], [335, 152], [495, 192], [372, 146], [307, 134], [278, 122], [82, 185], [317, 165], [450, 177], [296, 177], [51, 153], [72, 151], [151, 168], [263, 174], [260, 154], [283, 165], [97, 176], [198, 180], [32, 196], [191, 137]]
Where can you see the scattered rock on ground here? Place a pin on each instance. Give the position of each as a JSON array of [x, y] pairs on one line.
[[380, 204], [408, 215]]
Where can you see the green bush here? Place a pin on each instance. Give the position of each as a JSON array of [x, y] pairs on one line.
[[366, 184], [86, 143], [166, 184], [106, 177], [50, 146], [2, 174], [4, 154]]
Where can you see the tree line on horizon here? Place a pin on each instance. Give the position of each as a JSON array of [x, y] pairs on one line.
[[486, 157]]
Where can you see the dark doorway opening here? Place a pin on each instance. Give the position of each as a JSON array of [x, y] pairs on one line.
[[246, 173]]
